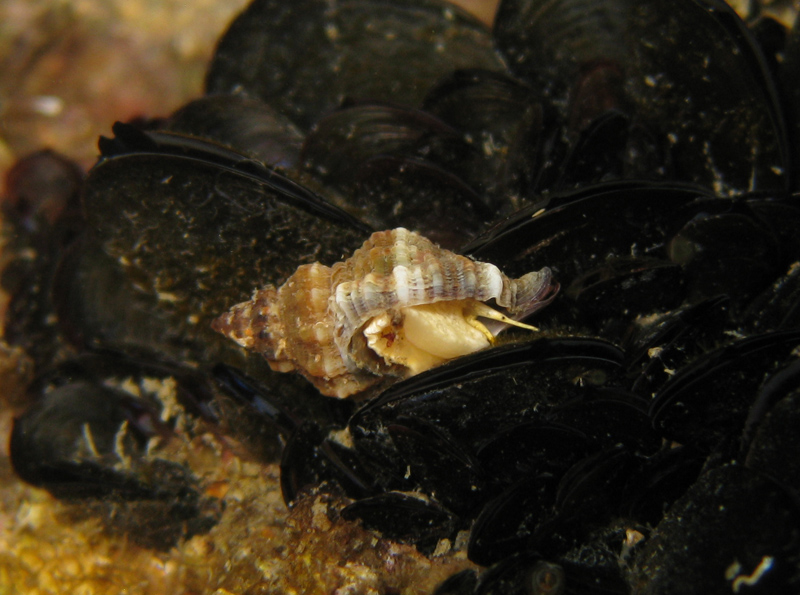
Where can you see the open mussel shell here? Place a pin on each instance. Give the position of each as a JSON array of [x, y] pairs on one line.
[[304, 58], [200, 226], [714, 110]]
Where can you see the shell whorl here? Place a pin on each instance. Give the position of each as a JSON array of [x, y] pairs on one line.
[[399, 268], [342, 327]]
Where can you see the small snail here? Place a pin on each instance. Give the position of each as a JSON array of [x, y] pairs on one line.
[[398, 306]]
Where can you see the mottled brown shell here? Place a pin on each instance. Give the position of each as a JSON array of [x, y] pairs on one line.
[[398, 306]]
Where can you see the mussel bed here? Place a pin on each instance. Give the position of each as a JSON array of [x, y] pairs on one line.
[[643, 441]]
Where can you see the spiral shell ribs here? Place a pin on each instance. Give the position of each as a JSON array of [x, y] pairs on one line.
[[398, 306]]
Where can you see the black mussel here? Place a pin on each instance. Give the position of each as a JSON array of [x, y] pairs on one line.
[[531, 448], [588, 496], [725, 253], [439, 463], [199, 226], [243, 123], [86, 442], [461, 583], [98, 305], [397, 167], [61, 443], [405, 517], [579, 230], [522, 574], [706, 403], [306, 57], [504, 120], [771, 429], [42, 189], [41, 217], [417, 194], [514, 519], [658, 481], [309, 458], [612, 292], [344, 140], [597, 240], [660, 345], [777, 307], [496, 390], [634, 58], [735, 530]]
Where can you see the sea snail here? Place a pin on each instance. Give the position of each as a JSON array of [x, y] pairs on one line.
[[398, 306]]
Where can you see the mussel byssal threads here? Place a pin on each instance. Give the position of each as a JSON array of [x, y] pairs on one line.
[[398, 306]]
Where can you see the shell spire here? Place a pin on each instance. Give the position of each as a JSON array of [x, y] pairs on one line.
[[398, 306]]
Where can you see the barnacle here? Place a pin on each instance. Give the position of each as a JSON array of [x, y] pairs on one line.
[[399, 306]]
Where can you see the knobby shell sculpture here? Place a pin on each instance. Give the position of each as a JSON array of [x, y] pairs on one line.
[[399, 306]]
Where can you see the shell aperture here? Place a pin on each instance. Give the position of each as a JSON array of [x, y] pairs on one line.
[[397, 307]]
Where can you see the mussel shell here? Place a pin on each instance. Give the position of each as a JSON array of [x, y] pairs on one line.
[[725, 253], [305, 57], [405, 518], [242, 123], [706, 403], [98, 305], [532, 448], [731, 515], [345, 139], [417, 194], [398, 167], [681, 96], [439, 464], [200, 226], [48, 442], [509, 522], [503, 119], [494, 391], [669, 342], [775, 446]]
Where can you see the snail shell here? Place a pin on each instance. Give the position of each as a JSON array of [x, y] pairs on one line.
[[398, 306]]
